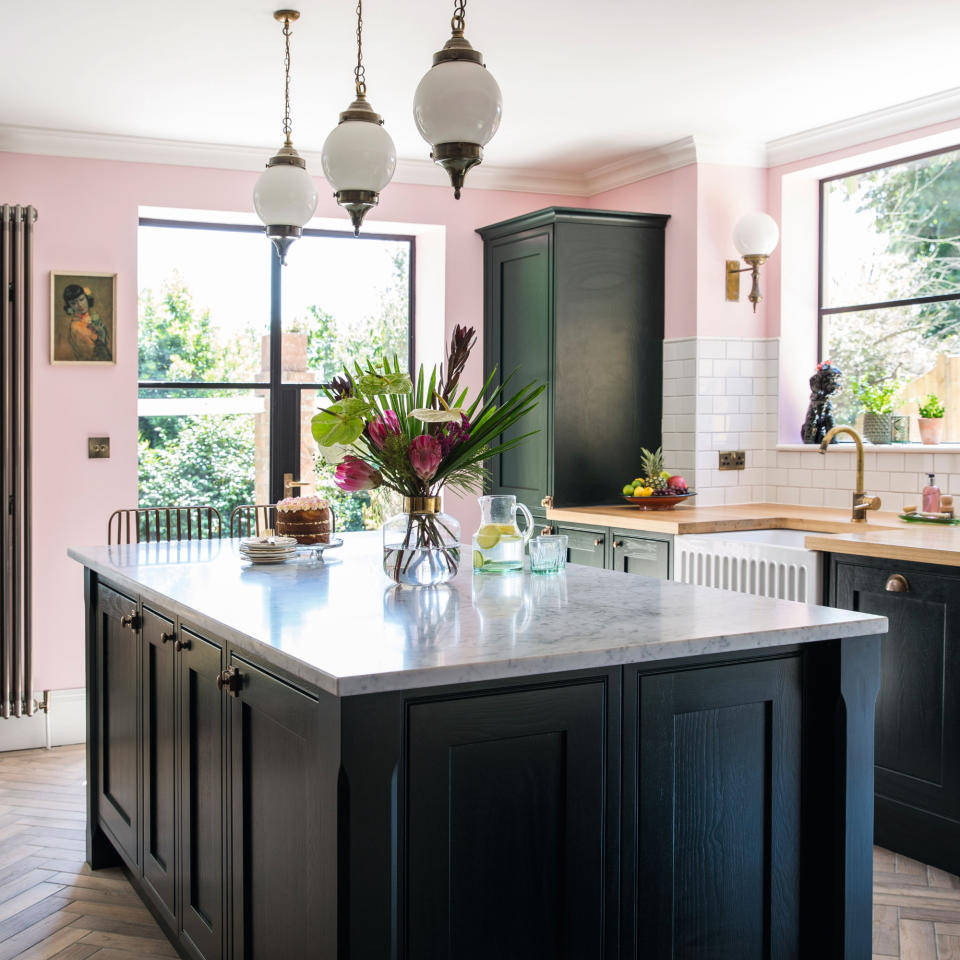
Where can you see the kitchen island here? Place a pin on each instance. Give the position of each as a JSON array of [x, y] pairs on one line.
[[305, 760]]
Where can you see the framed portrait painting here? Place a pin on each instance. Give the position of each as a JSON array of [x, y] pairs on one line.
[[83, 318]]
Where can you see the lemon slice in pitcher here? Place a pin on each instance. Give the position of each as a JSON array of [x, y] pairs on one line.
[[488, 536]]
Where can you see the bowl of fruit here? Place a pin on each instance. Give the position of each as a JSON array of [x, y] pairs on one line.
[[656, 488]]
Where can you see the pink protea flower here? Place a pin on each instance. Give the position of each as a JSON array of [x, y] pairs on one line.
[[379, 428], [354, 474], [425, 455]]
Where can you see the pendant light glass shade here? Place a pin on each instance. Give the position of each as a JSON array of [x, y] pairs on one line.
[[457, 105], [457, 101], [285, 195]]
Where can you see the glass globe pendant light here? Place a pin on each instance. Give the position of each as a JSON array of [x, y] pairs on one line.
[[359, 157], [458, 104], [285, 196]]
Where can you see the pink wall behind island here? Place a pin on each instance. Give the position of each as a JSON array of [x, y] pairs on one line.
[[88, 213]]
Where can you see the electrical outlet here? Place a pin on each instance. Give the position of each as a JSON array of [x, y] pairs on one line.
[[732, 459], [98, 448]]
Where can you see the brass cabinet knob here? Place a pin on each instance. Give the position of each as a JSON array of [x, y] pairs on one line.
[[547, 502], [618, 543], [897, 583], [546, 532], [598, 542], [131, 620], [167, 637], [231, 681], [181, 645]]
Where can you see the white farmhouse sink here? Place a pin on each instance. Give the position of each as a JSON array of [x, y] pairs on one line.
[[767, 563]]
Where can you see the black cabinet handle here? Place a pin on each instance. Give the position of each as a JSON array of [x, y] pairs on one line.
[[181, 645], [166, 637], [897, 583], [231, 681], [131, 620]]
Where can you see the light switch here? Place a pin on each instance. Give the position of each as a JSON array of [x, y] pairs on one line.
[[98, 448]]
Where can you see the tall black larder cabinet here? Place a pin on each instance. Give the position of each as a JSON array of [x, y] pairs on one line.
[[574, 297]]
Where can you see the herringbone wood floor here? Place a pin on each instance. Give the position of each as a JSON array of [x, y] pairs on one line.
[[53, 906], [51, 903]]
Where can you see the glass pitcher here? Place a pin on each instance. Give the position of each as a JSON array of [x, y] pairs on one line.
[[498, 544]]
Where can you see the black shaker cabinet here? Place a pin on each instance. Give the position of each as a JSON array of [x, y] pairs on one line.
[[574, 297], [917, 796]]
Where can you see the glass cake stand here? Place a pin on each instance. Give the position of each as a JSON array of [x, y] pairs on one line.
[[313, 552]]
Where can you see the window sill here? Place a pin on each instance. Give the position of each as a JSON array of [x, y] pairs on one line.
[[875, 448]]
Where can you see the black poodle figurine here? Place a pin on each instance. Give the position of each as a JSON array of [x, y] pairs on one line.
[[819, 420]]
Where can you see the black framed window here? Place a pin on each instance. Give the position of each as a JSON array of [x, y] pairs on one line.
[[889, 310], [234, 351]]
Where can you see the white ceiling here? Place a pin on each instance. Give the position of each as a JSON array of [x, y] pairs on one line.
[[584, 83]]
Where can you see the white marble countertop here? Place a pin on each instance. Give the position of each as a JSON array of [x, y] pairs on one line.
[[344, 627]]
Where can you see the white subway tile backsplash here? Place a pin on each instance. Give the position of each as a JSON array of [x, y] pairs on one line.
[[715, 349], [811, 496], [740, 349], [725, 368]]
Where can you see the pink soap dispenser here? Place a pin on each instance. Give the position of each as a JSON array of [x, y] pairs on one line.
[[931, 497]]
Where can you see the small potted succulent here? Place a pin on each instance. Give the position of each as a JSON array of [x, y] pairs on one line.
[[876, 399], [930, 419]]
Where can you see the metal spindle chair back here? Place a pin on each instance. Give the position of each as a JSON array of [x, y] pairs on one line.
[[155, 524], [250, 519]]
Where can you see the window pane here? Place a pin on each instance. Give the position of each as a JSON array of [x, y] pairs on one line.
[[913, 349], [344, 300], [893, 233], [204, 304], [204, 447]]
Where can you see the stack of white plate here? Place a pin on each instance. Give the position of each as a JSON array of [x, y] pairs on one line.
[[268, 549]]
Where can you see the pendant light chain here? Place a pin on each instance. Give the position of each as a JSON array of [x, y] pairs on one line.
[[287, 126], [459, 16], [360, 72]]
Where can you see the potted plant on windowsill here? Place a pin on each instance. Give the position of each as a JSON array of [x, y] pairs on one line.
[[931, 419], [876, 399]]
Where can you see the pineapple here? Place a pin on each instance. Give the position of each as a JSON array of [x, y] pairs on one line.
[[652, 466]]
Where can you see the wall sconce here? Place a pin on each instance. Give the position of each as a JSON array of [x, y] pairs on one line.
[[756, 236]]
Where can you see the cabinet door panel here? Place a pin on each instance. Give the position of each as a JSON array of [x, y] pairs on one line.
[[587, 547], [648, 557], [918, 710], [281, 907], [119, 732], [159, 759], [202, 904], [508, 791], [713, 790], [519, 337]]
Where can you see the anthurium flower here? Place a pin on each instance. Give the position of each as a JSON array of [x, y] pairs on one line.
[[437, 416], [425, 455], [381, 426], [354, 474]]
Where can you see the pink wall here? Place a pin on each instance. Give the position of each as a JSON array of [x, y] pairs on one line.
[[674, 193], [88, 212]]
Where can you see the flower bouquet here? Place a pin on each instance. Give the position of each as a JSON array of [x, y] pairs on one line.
[[380, 430]]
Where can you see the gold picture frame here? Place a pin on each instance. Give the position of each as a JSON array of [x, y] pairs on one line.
[[83, 318]]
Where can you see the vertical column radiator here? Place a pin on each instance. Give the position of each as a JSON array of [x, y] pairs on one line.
[[16, 268]]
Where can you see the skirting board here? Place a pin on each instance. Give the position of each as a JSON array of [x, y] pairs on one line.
[[65, 722]]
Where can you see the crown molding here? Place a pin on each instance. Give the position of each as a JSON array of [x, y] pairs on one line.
[[185, 153], [855, 131], [891, 121]]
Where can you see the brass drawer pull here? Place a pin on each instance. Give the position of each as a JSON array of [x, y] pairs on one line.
[[618, 543], [131, 620], [598, 542], [181, 645], [546, 532], [167, 637], [230, 680], [897, 583]]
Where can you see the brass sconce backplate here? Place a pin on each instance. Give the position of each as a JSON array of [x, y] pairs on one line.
[[733, 279]]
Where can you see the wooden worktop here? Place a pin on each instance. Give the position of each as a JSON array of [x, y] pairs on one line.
[[883, 535], [746, 516]]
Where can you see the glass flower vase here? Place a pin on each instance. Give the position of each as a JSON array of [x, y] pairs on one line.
[[421, 545]]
